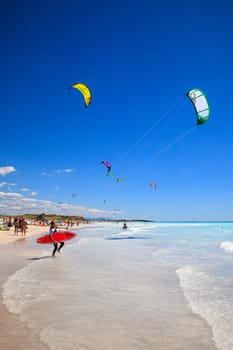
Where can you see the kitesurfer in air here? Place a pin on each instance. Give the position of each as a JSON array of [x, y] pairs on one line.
[[52, 230]]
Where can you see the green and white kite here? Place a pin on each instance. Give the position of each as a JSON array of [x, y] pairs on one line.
[[200, 104]]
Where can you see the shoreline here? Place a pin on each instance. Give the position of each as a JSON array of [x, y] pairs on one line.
[[14, 334]]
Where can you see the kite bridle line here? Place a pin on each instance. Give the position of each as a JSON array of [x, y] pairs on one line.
[[163, 150], [177, 107], [158, 132], [140, 139]]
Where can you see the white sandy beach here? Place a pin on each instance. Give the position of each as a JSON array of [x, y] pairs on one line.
[[7, 237]]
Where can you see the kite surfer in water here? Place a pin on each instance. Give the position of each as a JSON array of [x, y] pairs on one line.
[[52, 230], [124, 227]]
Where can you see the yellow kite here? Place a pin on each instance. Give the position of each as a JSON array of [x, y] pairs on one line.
[[86, 92]]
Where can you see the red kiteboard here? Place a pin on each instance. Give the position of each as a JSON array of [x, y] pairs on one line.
[[59, 236]]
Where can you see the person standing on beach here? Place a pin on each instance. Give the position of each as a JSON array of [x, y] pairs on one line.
[[52, 230], [16, 225], [23, 227]]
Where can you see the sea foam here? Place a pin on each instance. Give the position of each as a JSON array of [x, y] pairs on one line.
[[227, 246], [210, 297]]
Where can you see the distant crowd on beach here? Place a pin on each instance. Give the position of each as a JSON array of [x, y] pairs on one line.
[[20, 225]]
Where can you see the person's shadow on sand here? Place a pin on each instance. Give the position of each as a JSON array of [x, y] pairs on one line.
[[121, 238], [41, 257]]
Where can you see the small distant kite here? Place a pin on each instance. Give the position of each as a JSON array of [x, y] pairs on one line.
[[110, 173], [108, 166], [120, 179], [85, 91], [200, 104], [153, 184], [74, 195]]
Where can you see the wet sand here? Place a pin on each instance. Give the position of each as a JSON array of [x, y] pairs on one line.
[[190, 330], [14, 334]]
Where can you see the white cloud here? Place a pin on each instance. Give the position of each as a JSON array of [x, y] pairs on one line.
[[45, 202], [24, 189], [32, 193], [27, 200], [62, 171], [94, 211], [3, 184], [16, 204], [4, 195], [69, 170], [16, 208], [6, 170], [58, 171]]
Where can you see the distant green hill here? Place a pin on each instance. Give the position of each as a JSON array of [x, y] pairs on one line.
[[47, 218]]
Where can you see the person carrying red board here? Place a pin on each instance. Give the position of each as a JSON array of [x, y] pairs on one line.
[[52, 230]]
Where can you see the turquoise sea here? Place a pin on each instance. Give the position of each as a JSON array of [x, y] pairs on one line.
[[129, 289]]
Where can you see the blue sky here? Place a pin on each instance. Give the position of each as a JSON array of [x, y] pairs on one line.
[[139, 58]]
